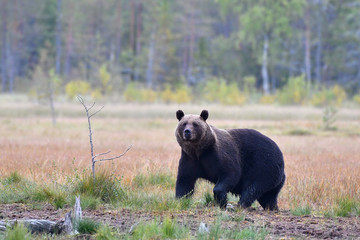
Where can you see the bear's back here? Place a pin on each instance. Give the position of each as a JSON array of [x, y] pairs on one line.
[[252, 142]]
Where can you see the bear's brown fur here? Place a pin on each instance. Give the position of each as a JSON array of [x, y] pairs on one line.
[[241, 161]]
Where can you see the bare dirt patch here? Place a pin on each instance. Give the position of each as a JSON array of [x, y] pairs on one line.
[[280, 224]]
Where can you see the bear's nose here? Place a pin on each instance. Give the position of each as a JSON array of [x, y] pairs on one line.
[[187, 133]]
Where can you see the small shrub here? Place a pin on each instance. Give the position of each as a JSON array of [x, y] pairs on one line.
[[74, 88], [356, 98], [182, 94], [329, 118], [96, 94], [249, 86], [131, 93], [294, 92], [148, 95], [136, 93], [217, 90], [231, 95], [211, 89], [267, 99], [167, 94], [105, 77], [18, 232], [333, 96], [88, 226]]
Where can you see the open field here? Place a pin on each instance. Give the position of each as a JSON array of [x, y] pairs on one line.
[[322, 167]]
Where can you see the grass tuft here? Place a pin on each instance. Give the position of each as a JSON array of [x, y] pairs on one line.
[[209, 199], [105, 233], [301, 210], [88, 226], [88, 202], [58, 197], [247, 233], [347, 206], [14, 178], [18, 232], [106, 187], [168, 229]]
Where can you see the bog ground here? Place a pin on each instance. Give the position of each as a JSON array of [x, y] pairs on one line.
[[320, 199]]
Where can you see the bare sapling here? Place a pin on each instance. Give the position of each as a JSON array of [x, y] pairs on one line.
[[94, 157]]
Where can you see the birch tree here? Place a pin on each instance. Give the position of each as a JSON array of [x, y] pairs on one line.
[[261, 21]]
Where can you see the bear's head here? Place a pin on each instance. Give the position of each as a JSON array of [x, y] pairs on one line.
[[191, 129]]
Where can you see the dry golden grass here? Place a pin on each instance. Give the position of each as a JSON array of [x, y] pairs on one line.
[[320, 167]]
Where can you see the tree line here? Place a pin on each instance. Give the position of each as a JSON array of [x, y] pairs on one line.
[[162, 43]]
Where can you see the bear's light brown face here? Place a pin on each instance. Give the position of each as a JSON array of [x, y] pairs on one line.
[[191, 128]]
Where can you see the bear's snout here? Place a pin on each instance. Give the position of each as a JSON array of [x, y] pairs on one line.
[[187, 134]]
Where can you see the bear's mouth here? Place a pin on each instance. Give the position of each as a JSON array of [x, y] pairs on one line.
[[187, 137]]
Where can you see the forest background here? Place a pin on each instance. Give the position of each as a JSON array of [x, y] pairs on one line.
[[226, 51]]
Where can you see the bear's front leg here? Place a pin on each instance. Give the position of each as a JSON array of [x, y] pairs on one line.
[[184, 187], [220, 196], [222, 187], [186, 178]]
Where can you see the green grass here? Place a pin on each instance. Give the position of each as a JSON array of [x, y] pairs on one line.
[[106, 233], [14, 178], [299, 132], [301, 210], [208, 199], [217, 232], [214, 233], [166, 180], [88, 202], [168, 229], [155, 199], [88, 226], [56, 197], [247, 233], [18, 232], [106, 187], [346, 207]]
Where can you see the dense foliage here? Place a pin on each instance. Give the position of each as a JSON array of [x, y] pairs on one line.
[[148, 50]]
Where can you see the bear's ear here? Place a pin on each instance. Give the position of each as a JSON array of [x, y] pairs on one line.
[[179, 114], [204, 114]]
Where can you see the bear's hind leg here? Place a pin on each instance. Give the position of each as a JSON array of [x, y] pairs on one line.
[[269, 199], [248, 196]]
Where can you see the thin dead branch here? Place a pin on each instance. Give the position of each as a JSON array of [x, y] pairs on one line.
[[89, 115]]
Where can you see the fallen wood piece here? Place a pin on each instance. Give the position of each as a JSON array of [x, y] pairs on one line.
[[41, 225]]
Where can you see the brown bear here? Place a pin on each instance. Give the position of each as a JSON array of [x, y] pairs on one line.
[[241, 161]]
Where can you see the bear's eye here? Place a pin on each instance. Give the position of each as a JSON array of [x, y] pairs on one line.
[[195, 124], [184, 124]]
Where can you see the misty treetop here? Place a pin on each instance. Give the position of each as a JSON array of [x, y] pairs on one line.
[[177, 47]]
